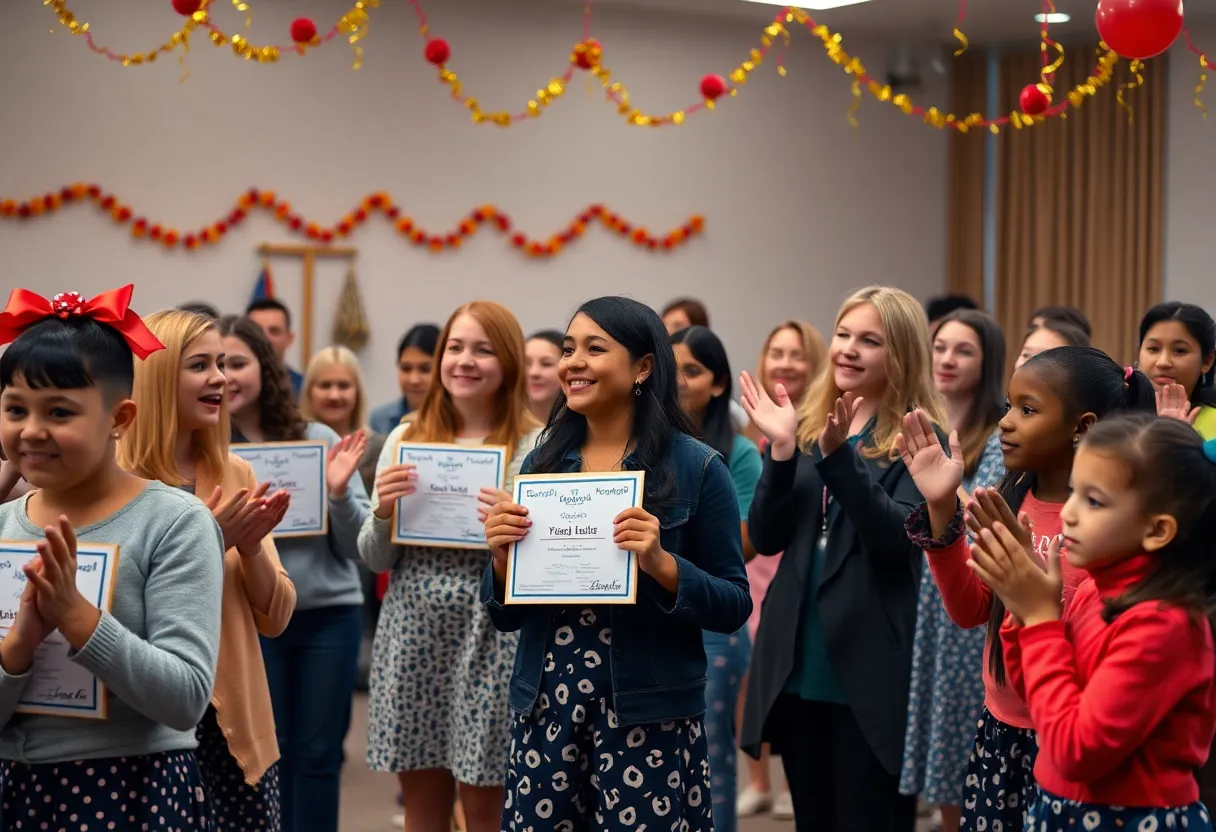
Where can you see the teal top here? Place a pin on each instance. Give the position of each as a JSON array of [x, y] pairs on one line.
[[812, 678], [744, 465]]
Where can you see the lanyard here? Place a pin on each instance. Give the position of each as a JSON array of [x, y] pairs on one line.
[[823, 528]]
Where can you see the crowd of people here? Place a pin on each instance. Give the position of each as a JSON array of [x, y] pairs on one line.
[[913, 577]]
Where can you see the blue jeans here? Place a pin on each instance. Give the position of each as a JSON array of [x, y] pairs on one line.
[[727, 658], [311, 668]]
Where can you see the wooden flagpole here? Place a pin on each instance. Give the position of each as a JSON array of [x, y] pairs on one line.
[[308, 255]]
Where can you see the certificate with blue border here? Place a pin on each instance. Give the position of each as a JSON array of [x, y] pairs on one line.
[[568, 555], [299, 469], [442, 511], [59, 686]]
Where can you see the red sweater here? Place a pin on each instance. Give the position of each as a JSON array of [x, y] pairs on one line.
[[1125, 712]]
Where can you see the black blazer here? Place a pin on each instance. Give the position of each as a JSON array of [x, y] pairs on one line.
[[867, 590]]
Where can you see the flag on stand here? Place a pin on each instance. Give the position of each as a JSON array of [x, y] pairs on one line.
[[264, 288]]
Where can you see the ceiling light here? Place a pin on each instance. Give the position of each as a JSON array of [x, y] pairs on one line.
[[813, 5], [1054, 17]]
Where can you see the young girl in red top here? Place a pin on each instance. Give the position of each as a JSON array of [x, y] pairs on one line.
[[1119, 682], [1055, 398]]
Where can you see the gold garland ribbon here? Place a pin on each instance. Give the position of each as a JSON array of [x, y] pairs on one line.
[[853, 66], [1203, 80], [1135, 68]]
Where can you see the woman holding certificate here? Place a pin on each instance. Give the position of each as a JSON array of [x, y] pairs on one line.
[[705, 388], [180, 436], [609, 684], [439, 717], [311, 667], [832, 660]]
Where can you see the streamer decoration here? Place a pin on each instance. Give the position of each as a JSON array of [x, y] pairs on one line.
[[588, 55], [353, 25], [958, 29], [1204, 66], [381, 203]]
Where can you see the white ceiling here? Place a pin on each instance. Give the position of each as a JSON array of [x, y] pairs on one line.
[[986, 21]]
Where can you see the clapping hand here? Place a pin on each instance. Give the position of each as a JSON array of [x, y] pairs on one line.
[[247, 517], [775, 417], [59, 603], [392, 483], [1031, 593], [1172, 403], [836, 428], [343, 460], [987, 508]]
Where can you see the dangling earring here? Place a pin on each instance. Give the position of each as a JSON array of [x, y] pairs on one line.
[[637, 387], [1076, 441]]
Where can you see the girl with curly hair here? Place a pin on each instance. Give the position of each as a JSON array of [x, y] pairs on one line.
[[311, 667]]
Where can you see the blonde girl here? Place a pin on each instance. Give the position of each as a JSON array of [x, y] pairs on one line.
[[831, 692], [180, 437], [439, 716], [336, 396]]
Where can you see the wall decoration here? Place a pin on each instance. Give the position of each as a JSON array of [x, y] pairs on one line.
[[1037, 102], [377, 203]]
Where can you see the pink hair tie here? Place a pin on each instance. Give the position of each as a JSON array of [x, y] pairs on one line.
[[1127, 374]]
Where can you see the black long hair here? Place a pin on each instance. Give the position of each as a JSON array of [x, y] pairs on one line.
[[1170, 474], [658, 417], [1086, 380], [1202, 328], [422, 337], [716, 429]]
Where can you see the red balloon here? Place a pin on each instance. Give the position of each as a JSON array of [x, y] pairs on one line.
[[303, 30], [1139, 29], [1034, 101], [187, 7], [437, 51], [713, 86]]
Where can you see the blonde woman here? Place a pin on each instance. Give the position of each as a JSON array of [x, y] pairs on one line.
[[180, 436], [439, 717], [831, 692], [792, 356], [335, 395]]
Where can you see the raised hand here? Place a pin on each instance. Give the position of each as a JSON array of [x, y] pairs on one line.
[[392, 483], [59, 602], [342, 462], [836, 428], [1031, 593], [262, 522], [775, 417], [936, 474], [506, 523], [1172, 403]]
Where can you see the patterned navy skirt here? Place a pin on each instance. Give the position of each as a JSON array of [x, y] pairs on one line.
[[1049, 813], [999, 786], [152, 791], [235, 805]]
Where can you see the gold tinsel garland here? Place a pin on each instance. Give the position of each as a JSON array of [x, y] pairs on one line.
[[587, 55]]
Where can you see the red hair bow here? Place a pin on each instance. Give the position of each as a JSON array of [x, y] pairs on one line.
[[26, 308]]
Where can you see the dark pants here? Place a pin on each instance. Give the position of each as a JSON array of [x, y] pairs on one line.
[[836, 782], [311, 668]]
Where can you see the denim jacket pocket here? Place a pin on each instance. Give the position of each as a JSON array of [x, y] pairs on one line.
[[672, 520]]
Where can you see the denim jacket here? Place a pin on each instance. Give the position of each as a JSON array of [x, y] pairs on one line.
[[657, 659]]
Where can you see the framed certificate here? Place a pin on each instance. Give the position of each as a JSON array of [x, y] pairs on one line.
[[299, 469], [568, 556], [442, 511], [58, 686]]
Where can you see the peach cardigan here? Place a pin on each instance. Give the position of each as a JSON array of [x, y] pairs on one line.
[[242, 695]]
